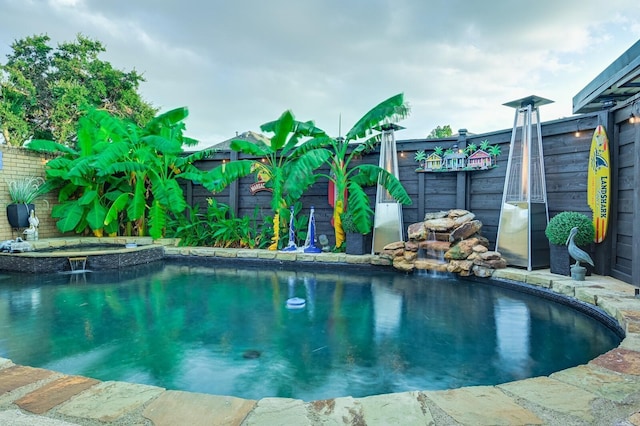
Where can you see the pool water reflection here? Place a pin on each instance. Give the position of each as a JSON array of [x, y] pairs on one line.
[[226, 330]]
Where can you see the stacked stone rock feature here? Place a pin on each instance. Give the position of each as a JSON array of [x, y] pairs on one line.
[[456, 233]]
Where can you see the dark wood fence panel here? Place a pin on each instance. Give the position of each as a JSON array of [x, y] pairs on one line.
[[625, 199], [565, 158]]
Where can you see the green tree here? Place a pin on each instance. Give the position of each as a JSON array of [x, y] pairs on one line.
[[44, 90], [440, 132], [287, 164], [361, 139], [122, 178]]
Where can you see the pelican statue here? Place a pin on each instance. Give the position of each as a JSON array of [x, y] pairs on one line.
[[575, 251]]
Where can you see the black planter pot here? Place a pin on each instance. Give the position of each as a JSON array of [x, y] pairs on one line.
[[18, 215], [358, 243], [560, 261]]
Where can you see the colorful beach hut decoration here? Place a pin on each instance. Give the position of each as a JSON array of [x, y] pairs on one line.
[[470, 159], [479, 160]]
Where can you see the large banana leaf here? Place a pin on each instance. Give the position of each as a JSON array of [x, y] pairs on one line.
[[137, 204], [164, 145], [217, 179], [170, 117], [96, 215], [52, 147], [359, 208], [258, 149], [281, 128], [88, 197], [388, 111], [70, 215], [368, 174], [157, 220], [116, 207], [300, 174]]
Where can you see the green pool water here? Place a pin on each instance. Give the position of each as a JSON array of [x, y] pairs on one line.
[[227, 330]]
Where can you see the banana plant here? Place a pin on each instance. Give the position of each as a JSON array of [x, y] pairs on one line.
[[361, 139], [152, 164], [82, 194], [287, 163], [121, 168]]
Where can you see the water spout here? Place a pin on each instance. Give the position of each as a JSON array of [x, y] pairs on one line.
[[78, 264]]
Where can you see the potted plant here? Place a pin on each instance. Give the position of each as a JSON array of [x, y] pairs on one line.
[[558, 231], [356, 242], [23, 192]]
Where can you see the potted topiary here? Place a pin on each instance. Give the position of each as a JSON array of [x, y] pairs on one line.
[[23, 192], [558, 231], [356, 242]]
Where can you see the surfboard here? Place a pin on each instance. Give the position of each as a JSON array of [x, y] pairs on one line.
[[599, 182]]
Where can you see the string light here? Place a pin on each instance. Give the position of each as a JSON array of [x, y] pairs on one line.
[[633, 119], [577, 133]]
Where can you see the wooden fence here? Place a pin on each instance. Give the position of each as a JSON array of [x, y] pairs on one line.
[[566, 145]]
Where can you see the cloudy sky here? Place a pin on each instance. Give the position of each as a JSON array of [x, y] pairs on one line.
[[237, 64]]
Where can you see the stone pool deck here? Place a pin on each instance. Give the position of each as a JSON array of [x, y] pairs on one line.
[[605, 391]]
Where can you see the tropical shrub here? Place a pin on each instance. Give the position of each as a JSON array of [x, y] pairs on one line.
[[218, 227], [287, 163], [122, 179], [363, 137]]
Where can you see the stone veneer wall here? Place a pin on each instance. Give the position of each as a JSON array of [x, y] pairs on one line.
[[456, 235], [16, 163]]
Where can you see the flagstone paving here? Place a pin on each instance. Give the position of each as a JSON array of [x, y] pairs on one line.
[[606, 391]]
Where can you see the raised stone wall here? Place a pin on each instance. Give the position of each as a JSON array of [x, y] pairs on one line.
[[17, 163]]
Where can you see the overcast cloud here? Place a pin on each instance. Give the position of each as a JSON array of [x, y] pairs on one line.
[[237, 64]]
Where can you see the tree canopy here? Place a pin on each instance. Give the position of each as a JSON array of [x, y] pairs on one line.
[[45, 90], [441, 132]]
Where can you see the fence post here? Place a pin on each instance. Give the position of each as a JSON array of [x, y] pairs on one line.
[[461, 184], [234, 189]]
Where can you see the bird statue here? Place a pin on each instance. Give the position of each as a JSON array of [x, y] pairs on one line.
[[575, 252]]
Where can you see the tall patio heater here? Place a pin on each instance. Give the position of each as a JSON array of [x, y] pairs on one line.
[[387, 222], [524, 214]]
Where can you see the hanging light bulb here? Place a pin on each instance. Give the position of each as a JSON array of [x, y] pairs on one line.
[[577, 133], [633, 119]]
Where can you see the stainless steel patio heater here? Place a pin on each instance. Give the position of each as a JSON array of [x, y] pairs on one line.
[[387, 222], [524, 214]]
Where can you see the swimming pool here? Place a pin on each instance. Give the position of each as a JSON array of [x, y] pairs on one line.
[[227, 330]]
